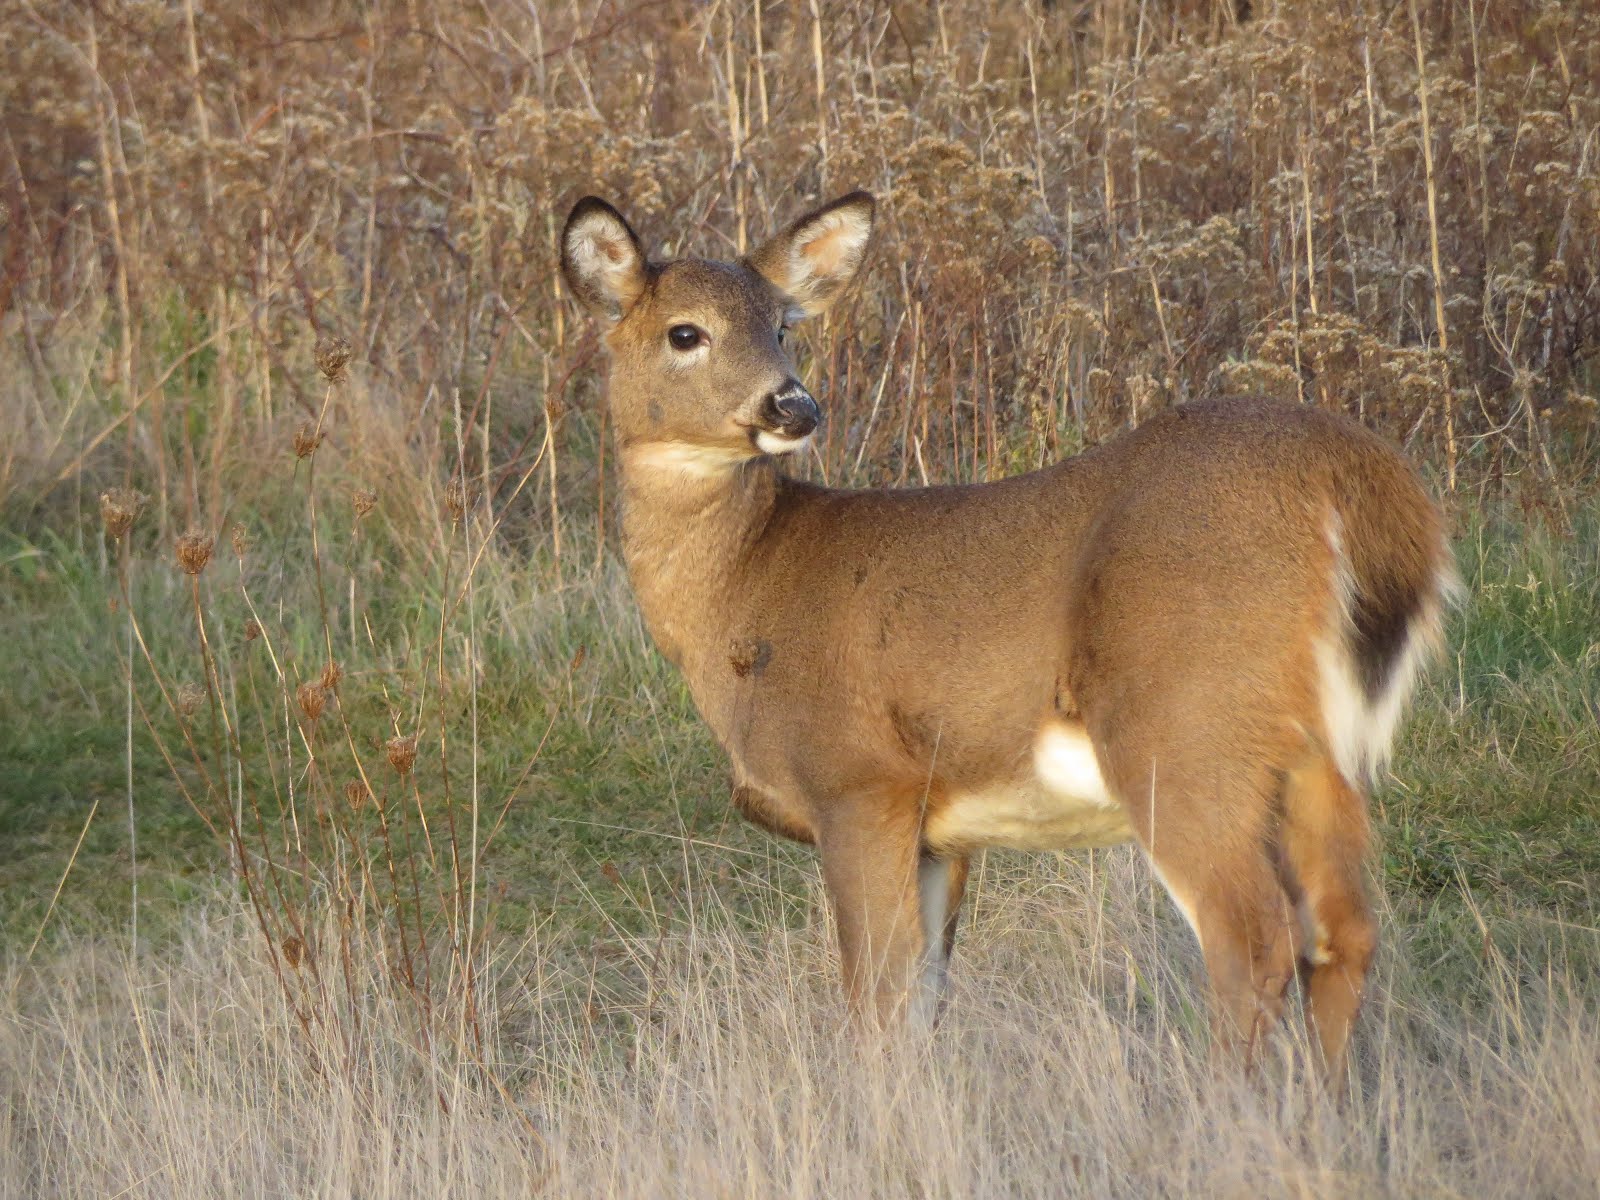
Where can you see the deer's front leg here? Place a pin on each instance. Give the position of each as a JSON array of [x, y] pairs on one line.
[[870, 856]]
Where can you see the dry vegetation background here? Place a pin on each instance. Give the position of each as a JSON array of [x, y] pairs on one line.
[[353, 839]]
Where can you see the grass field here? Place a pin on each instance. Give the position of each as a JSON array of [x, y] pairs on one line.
[[355, 840]]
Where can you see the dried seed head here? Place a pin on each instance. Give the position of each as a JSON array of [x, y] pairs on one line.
[[252, 629], [307, 437], [194, 551], [332, 673], [458, 498], [365, 499], [240, 537], [332, 354], [189, 698], [293, 951], [402, 753], [119, 508], [355, 793], [311, 698]]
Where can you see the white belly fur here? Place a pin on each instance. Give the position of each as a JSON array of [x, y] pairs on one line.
[[1063, 805]]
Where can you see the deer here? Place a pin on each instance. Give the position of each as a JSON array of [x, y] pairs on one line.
[[1199, 636]]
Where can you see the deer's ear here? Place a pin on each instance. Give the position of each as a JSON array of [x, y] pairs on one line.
[[814, 259], [601, 259]]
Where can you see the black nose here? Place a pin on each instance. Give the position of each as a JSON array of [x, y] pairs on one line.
[[790, 410]]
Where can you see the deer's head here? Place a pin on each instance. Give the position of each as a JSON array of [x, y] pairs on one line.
[[699, 372]]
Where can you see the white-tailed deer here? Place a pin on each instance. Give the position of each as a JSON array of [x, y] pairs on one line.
[[1199, 636]]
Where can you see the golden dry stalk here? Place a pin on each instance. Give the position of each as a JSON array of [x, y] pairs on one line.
[[332, 355], [194, 551], [119, 508], [311, 699], [307, 437], [402, 750]]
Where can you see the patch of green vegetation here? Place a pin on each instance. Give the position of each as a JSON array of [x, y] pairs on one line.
[[1496, 783], [591, 771]]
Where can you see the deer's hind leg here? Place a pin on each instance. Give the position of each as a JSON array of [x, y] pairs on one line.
[[1324, 845], [1208, 829], [941, 884]]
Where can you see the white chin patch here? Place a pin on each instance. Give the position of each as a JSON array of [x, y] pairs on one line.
[[777, 443]]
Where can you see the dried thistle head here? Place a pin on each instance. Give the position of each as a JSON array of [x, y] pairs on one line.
[[365, 500], [240, 537], [355, 794], [119, 508], [332, 673], [294, 951], [194, 551], [402, 750], [311, 699], [189, 698], [307, 437], [332, 355], [252, 629]]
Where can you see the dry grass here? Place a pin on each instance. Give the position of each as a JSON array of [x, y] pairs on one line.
[[1090, 211], [1072, 1062]]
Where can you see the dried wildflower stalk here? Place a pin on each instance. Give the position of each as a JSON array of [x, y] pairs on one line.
[[402, 751], [194, 551], [190, 696], [120, 508], [307, 437], [311, 699], [332, 355], [458, 498]]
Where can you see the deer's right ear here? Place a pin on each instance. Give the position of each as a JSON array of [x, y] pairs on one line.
[[601, 259]]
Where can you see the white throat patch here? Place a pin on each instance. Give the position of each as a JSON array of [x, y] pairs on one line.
[[777, 443], [701, 462]]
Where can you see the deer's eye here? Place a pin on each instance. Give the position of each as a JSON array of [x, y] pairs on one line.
[[685, 337], [783, 333]]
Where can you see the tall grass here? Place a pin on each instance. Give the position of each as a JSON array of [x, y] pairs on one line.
[[1072, 1062], [1089, 211]]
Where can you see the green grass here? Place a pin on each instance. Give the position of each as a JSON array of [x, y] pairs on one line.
[[1498, 773], [585, 738], [588, 742]]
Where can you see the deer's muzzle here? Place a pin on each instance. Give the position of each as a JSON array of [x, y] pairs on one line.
[[790, 411]]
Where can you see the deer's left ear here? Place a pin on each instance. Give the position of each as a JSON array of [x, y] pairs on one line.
[[814, 259]]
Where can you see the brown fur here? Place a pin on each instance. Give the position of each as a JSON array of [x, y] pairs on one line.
[[865, 656]]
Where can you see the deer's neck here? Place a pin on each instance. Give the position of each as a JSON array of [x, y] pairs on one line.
[[688, 535]]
